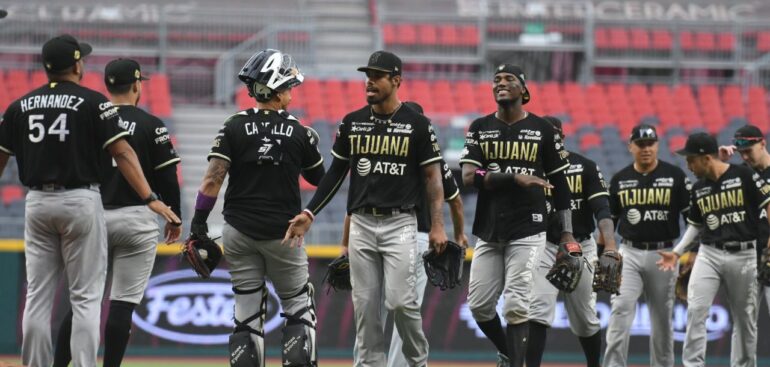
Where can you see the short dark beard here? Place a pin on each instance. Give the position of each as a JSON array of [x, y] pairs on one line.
[[374, 100]]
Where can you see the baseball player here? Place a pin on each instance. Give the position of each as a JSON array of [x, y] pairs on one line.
[[132, 231], [395, 157], [264, 149], [452, 197], [589, 200], [725, 205], [752, 147], [58, 132], [507, 156], [646, 199]]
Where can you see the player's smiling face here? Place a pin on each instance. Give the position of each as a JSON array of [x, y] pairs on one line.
[[380, 86], [645, 152], [506, 88]]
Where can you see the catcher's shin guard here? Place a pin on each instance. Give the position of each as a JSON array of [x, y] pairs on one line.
[[247, 344], [299, 342]]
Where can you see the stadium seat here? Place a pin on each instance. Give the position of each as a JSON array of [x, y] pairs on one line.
[[11, 193], [640, 39], [661, 40]]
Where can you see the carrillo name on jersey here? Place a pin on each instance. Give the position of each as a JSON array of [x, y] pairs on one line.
[[252, 128]]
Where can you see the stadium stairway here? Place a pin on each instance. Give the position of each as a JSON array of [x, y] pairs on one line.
[[344, 34]]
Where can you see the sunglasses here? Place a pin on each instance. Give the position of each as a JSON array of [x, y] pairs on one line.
[[746, 142]]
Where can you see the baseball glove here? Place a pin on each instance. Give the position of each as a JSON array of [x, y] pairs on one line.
[[683, 280], [445, 270], [338, 274], [609, 272], [202, 253], [566, 270], [763, 272]]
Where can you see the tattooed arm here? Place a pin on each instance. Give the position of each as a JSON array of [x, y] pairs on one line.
[[215, 176]]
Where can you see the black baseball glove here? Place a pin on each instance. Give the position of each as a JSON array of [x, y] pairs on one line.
[[445, 270], [338, 274], [202, 253], [763, 271], [609, 272], [568, 267]]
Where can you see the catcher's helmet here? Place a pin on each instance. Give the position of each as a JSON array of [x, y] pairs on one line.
[[269, 71]]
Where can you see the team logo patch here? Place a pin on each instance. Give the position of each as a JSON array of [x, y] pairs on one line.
[[363, 167], [633, 216], [712, 222], [77, 54]]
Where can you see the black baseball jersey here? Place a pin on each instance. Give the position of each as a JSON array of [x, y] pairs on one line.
[[585, 182], [267, 151], [728, 209], [646, 207], [451, 191], [152, 144], [529, 147], [763, 230], [58, 133], [386, 155]]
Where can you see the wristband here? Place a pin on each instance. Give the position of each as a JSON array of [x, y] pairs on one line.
[[478, 178], [309, 214], [204, 202]]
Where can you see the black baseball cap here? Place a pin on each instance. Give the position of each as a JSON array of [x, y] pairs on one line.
[[63, 51], [122, 71], [556, 123], [747, 136], [699, 144], [518, 72], [383, 61], [643, 132]]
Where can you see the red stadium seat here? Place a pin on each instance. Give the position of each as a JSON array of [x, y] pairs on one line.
[[601, 38], [389, 34], [448, 34], [407, 34], [705, 41], [725, 42], [619, 38], [11, 193], [687, 41], [763, 41], [661, 40], [469, 36], [427, 34], [640, 39], [590, 140]]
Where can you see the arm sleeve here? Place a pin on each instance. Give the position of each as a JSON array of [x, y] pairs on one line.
[[341, 147], [108, 122], [688, 240], [162, 152], [614, 202], [451, 190], [594, 185], [221, 147], [471, 153], [167, 186], [329, 185], [562, 196], [426, 144], [554, 155], [600, 205], [6, 133], [311, 157], [694, 216], [762, 192]]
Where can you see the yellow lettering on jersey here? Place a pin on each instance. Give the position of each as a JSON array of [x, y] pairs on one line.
[[720, 200], [510, 150], [377, 144], [764, 190], [575, 183], [645, 196]]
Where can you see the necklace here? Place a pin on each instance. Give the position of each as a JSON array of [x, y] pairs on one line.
[[389, 120]]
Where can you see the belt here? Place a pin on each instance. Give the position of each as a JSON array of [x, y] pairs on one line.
[[56, 187], [648, 245], [381, 212], [733, 246]]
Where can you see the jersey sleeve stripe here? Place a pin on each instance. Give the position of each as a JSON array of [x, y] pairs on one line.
[[685, 209], [115, 138], [429, 161], [315, 165], [168, 163], [330, 196], [558, 169], [453, 196], [764, 203], [6, 150], [217, 155], [598, 194], [471, 161], [339, 156], [694, 223]]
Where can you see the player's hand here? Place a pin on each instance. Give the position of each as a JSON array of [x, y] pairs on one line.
[[295, 234], [171, 232], [725, 152], [437, 238], [667, 260], [164, 211], [462, 240], [531, 181]]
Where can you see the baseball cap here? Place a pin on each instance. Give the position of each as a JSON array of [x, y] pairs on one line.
[[643, 132], [699, 144], [556, 123], [747, 136], [518, 72], [383, 61], [63, 51], [122, 71]]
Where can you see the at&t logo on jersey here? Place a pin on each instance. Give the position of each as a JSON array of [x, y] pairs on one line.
[[363, 167], [180, 308], [634, 216]]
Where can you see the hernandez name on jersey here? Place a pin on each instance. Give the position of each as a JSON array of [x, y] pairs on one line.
[[647, 205]]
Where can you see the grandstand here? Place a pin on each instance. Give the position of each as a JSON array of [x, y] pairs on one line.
[[600, 66]]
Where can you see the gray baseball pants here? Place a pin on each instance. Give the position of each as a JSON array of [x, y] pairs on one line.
[[738, 272], [580, 304], [64, 232], [507, 268], [132, 234], [383, 250], [642, 276]]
